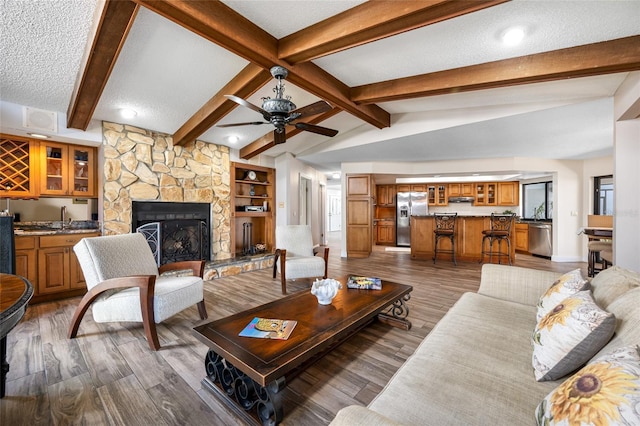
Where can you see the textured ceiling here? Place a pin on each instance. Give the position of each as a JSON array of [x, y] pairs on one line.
[[42, 46], [167, 73]]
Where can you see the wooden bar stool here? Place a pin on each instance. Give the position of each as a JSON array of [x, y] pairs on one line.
[[445, 228], [500, 231], [596, 247]]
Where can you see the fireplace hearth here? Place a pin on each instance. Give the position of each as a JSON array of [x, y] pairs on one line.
[[174, 231]]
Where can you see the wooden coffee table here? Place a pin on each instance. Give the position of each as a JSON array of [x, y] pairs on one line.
[[249, 373]]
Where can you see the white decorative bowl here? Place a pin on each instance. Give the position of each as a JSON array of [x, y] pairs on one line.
[[325, 290]]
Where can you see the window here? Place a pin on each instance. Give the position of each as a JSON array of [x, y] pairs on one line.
[[603, 195], [537, 200]]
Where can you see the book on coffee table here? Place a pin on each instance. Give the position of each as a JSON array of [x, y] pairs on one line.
[[267, 328], [364, 283]]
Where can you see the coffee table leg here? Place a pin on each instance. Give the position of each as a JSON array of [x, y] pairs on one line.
[[396, 314], [255, 403]]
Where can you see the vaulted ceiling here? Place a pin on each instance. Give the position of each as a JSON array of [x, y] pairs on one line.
[[407, 80]]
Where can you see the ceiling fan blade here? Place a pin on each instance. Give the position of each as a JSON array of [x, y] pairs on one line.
[[279, 137], [249, 105], [255, 123], [312, 109], [316, 129]]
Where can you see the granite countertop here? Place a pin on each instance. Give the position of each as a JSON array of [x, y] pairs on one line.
[[55, 227]]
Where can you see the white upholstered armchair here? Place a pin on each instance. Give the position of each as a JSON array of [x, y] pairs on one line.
[[295, 255], [124, 284]]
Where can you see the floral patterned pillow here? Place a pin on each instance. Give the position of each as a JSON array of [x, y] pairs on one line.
[[569, 335], [605, 392], [568, 284]]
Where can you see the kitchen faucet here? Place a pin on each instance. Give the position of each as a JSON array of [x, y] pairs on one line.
[[63, 215]]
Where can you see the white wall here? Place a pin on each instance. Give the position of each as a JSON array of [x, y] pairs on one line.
[[288, 172], [626, 226]]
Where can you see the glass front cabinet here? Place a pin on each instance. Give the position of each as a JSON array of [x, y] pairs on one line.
[[67, 170]]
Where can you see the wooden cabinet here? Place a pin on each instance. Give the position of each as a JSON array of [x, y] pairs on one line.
[[508, 193], [497, 194], [31, 168], [252, 199], [486, 194], [521, 235], [437, 195], [67, 170], [386, 232], [58, 267], [461, 190], [359, 209], [18, 167], [26, 258], [49, 263], [411, 188], [386, 195]]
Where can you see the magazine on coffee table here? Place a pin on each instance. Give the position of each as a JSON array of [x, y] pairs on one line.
[[267, 328], [364, 283]]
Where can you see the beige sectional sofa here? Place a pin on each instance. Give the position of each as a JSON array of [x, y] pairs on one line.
[[475, 366]]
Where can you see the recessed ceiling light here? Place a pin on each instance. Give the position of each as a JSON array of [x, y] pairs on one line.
[[128, 113], [38, 136], [336, 176], [232, 139], [513, 36]]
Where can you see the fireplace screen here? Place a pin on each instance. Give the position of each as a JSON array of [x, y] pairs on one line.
[[174, 231]]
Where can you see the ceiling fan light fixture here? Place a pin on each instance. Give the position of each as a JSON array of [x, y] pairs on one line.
[[280, 111], [513, 36]]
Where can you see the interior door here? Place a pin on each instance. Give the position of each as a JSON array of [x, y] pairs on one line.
[[305, 209]]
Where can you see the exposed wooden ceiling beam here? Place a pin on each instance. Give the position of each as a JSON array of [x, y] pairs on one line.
[[265, 142], [220, 24], [101, 53], [369, 22], [250, 79], [620, 55]]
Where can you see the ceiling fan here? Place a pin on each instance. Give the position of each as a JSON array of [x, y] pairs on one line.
[[280, 111]]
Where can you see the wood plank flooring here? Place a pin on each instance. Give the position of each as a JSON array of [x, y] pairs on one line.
[[108, 375]]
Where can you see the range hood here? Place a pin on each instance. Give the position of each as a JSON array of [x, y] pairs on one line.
[[461, 199]]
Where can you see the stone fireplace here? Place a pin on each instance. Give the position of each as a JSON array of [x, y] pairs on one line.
[[145, 166], [174, 231]]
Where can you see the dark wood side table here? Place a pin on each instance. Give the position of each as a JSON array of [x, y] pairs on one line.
[[15, 293]]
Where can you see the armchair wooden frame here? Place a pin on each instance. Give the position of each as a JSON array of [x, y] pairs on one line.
[[146, 283], [281, 254]]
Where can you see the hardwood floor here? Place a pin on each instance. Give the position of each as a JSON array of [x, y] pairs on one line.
[[108, 375]]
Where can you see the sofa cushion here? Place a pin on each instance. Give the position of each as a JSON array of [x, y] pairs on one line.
[[611, 283], [603, 392], [626, 309], [474, 368], [569, 335], [568, 284]]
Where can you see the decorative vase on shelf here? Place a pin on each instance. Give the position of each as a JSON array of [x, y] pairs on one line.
[[252, 191]]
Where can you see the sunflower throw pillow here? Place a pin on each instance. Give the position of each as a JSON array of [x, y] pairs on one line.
[[569, 335], [604, 392], [568, 284]]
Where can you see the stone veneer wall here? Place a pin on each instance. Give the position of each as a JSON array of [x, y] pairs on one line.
[[141, 165]]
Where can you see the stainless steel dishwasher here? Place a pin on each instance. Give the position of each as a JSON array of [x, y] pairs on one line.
[[540, 240]]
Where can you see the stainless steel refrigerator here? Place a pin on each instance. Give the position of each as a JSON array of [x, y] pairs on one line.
[[408, 204]]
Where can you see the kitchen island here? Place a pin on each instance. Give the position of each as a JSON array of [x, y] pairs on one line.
[[468, 239]]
